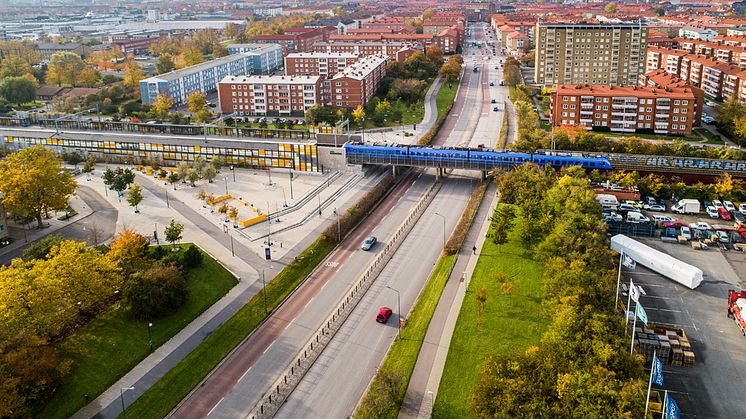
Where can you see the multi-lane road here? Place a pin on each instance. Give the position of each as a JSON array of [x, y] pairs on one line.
[[334, 384]]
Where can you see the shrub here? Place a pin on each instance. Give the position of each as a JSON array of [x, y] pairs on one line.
[[157, 252], [155, 291], [192, 257]]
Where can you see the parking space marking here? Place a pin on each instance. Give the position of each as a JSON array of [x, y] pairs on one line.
[[664, 309]]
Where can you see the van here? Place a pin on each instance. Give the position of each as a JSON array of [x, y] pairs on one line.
[[607, 201], [636, 218]]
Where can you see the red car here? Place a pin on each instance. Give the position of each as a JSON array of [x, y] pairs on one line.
[[724, 214], [383, 315], [676, 224]]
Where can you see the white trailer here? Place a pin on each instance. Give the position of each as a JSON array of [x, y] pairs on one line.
[[686, 206], [666, 265]]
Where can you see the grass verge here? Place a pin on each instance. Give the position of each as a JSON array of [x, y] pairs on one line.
[[161, 398], [711, 137], [112, 344], [502, 139], [509, 322], [445, 96], [383, 400]]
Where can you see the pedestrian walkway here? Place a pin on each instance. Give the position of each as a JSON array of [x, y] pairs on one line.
[[423, 385]]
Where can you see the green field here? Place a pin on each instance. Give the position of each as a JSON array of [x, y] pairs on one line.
[[403, 354], [112, 344], [510, 323], [446, 95]]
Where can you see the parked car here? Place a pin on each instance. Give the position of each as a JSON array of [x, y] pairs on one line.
[[655, 207], [636, 204], [660, 219], [722, 237], [729, 206], [612, 217], [502, 83], [676, 224], [495, 109], [686, 233], [742, 208], [710, 103], [492, 83], [717, 204], [383, 314], [636, 218], [724, 214], [699, 225], [712, 211], [628, 207], [707, 119], [369, 242], [738, 216], [649, 200]]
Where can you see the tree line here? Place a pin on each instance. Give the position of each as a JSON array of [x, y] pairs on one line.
[[581, 367]]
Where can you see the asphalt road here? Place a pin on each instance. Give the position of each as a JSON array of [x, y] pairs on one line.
[[97, 227]]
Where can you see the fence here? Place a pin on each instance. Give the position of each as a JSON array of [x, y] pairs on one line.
[[271, 401]]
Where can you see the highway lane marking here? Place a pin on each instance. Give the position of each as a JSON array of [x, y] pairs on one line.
[[270, 345], [216, 405], [332, 264], [240, 379]]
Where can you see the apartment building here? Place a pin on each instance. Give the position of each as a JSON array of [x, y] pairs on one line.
[[133, 42], [358, 83], [663, 80], [624, 108], [589, 54], [691, 32], [268, 95], [49, 49], [395, 51], [324, 64], [293, 41], [204, 77]]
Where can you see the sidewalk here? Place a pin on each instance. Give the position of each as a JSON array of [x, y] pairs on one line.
[[423, 385]]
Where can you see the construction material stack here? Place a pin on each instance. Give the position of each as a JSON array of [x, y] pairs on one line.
[[736, 307], [670, 344]]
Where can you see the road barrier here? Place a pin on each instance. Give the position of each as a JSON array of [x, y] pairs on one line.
[[288, 380]]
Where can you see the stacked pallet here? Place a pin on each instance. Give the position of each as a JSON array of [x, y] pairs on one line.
[[670, 344]]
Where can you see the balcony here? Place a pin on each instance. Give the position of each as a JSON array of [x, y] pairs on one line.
[[586, 105]]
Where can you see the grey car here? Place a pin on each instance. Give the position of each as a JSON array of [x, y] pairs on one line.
[[369, 242]]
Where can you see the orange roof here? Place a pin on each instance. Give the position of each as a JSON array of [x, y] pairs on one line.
[[624, 91]]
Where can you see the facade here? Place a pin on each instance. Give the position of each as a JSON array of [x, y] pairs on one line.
[[47, 50], [293, 41], [663, 80], [204, 77], [395, 51], [624, 108], [589, 54], [242, 48], [268, 95], [358, 83], [133, 43], [324, 64], [703, 34]]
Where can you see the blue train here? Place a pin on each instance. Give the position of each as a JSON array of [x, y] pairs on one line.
[[480, 157]]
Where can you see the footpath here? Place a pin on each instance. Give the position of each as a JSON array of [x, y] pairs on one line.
[[425, 380]]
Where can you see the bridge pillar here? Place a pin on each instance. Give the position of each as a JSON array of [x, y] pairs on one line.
[[394, 172], [484, 175]]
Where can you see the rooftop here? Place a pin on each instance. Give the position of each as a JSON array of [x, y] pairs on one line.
[[624, 91], [272, 79], [362, 68], [176, 74]]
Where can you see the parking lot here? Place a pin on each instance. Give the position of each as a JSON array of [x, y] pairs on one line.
[[712, 388]]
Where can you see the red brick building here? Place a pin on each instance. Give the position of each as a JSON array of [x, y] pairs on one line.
[[325, 64], [663, 80], [624, 108], [294, 40], [358, 83], [395, 51], [268, 95]]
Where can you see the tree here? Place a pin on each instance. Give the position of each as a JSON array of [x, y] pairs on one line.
[[450, 70], [17, 90], [408, 90], [383, 108], [219, 50], [358, 114], [161, 105], [14, 66], [610, 8], [725, 186], [132, 74], [233, 213], [192, 56], [41, 248], [88, 77], [173, 232], [164, 64], [64, 68], [192, 257], [502, 223], [203, 116], [33, 183], [196, 101], [155, 292], [659, 11], [193, 176], [128, 250], [208, 172], [134, 196], [118, 180]]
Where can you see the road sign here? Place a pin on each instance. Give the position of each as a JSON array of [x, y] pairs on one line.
[[267, 253]]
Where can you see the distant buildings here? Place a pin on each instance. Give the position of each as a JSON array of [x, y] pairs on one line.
[[49, 49], [395, 51], [703, 34], [324, 64], [589, 54], [294, 40], [268, 95], [204, 77], [133, 43], [630, 109], [358, 83]]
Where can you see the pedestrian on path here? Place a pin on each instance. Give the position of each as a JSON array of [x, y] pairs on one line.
[[474, 249]]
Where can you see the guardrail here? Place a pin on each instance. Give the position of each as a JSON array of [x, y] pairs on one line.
[[288, 380]]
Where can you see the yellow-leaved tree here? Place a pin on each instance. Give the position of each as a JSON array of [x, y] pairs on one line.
[[33, 183]]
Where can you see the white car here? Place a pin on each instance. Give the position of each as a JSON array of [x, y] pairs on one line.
[[710, 103], [712, 211], [717, 204], [700, 225], [707, 119], [613, 217], [742, 208], [722, 237], [729, 206], [685, 233], [628, 207], [655, 207]]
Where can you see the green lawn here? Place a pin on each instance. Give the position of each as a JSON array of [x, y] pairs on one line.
[[161, 398], [446, 95], [112, 344], [403, 354], [411, 114], [510, 323], [711, 137]]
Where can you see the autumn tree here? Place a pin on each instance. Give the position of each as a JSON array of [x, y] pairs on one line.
[[14, 66], [128, 250], [17, 90], [233, 213], [408, 90], [155, 292], [196, 101], [358, 114], [33, 183], [134, 196], [164, 64], [450, 70], [64, 68], [41, 248], [174, 231], [162, 105], [219, 50], [610, 8], [88, 77]]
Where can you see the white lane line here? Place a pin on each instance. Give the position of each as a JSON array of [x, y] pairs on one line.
[[243, 375], [216, 405], [270, 345]]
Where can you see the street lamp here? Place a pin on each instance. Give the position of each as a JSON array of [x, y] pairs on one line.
[[150, 337], [339, 229], [444, 229], [398, 307], [121, 396]]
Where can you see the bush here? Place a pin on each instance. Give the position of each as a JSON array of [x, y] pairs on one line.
[[155, 292], [157, 252], [173, 258], [41, 249], [192, 257]]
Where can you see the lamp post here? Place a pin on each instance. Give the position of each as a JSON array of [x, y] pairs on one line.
[[121, 396], [150, 336], [398, 308], [226, 184], [444, 229], [339, 228]]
